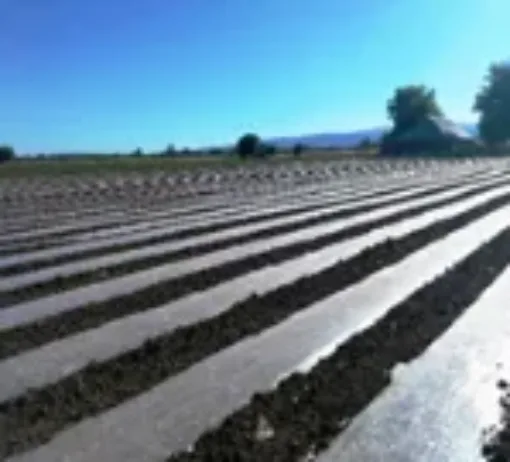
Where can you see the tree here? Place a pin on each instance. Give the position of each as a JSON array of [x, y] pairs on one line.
[[410, 104], [6, 153], [493, 104], [169, 150], [248, 145]]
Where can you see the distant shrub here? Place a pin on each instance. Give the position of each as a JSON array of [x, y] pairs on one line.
[[364, 144], [268, 150], [249, 145], [169, 150], [6, 153], [216, 151], [137, 152], [298, 149]]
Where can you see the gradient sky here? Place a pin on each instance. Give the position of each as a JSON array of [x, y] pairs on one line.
[[115, 74]]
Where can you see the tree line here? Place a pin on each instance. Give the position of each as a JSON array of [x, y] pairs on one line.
[[407, 106], [412, 103]]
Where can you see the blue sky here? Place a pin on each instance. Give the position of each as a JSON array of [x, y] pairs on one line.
[[115, 74]]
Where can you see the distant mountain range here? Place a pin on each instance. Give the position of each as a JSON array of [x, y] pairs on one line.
[[343, 139]]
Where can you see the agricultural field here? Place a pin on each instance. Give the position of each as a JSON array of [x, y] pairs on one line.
[[332, 310]]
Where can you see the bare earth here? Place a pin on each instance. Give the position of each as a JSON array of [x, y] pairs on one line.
[[337, 309]]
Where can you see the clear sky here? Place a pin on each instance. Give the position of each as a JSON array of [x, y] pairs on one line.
[[116, 74]]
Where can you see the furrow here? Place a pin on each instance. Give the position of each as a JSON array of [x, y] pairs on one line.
[[27, 261], [72, 229], [24, 324], [170, 228], [78, 219], [451, 393], [131, 227], [121, 378], [73, 274], [173, 414], [307, 410], [242, 194], [40, 366], [158, 222], [110, 236]]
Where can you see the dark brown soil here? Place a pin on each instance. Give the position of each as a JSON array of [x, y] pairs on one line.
[[39, 198], [170, 236], [38, 415], [8, 298], [228, 223], [32, 335], [306, 411], [497, 445], [51, 239]]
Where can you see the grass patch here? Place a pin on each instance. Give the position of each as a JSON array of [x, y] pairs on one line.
[[79, 164]]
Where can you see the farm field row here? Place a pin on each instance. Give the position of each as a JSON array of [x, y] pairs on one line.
[[290, 325]]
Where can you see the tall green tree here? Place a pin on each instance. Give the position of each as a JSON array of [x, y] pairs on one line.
[[410, 104], [6, 153], [248, 145], [493, 104]]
